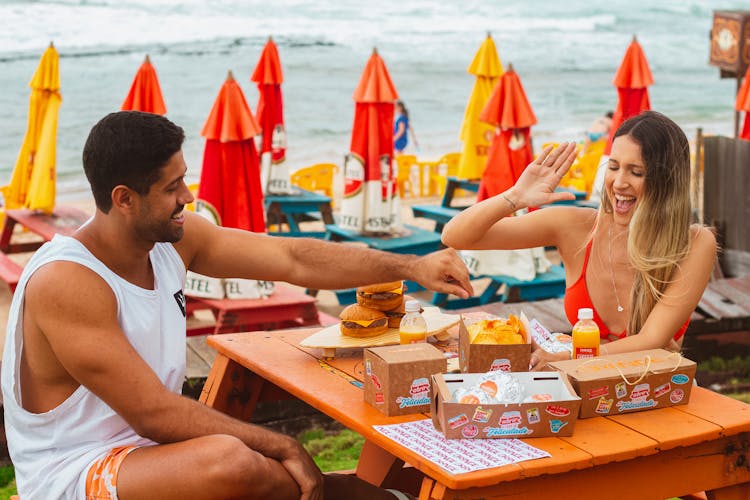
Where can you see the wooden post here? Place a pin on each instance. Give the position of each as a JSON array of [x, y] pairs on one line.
[[736, 111], [697, 196]]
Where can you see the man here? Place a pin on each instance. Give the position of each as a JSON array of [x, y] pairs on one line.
[[95, 348]]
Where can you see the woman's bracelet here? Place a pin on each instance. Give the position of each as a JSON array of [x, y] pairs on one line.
[[510, 202]]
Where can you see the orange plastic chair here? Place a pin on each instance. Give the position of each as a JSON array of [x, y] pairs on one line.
[[447, 165], [404, 165], [318, 177]]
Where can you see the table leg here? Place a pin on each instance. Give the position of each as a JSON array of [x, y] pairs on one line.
[[326, 213], [233, 389], [6, 234], [377, 466], [736, 492]]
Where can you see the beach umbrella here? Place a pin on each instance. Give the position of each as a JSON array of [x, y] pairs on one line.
[[145, 92], [476, 136], [32, 184], [371, 202], [509, 111], [270, 116], [632, 81], [743, 104], [230, 178]]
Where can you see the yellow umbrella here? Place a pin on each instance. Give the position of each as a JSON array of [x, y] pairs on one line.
[[32, 184], [477, 135]]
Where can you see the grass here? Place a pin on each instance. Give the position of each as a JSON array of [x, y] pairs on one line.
[[7, 482], [333, 451]]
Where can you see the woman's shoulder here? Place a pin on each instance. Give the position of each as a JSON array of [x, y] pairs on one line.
[[703, 240], [702, 235]]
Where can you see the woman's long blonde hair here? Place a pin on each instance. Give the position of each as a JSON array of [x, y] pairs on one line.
[[659, 236]]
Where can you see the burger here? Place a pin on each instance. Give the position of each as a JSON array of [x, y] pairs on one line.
[[382, 296], [394, 316], [362, 322]]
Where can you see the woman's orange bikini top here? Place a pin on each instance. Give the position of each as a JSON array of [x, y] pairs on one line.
[[577, 296]]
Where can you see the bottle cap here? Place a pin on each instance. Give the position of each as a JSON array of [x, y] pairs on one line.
[[585, 313], [413, 306]]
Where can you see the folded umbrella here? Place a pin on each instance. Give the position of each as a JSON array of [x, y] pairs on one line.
[[742, 103], [632, 80], [371, 202], [145, 92], [230, 178], [508, 109], [270, 116], [476, 135], [32, 183]]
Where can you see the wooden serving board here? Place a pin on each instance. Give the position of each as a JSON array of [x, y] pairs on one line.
[[330, 338]]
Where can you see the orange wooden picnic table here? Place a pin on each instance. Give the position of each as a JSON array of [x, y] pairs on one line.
[[704, 445]]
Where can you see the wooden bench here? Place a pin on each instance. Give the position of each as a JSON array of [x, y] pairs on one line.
[[440, 214], [544, 286], [10, 271]]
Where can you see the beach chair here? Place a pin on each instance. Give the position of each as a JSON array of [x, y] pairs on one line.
[[446, 165], [318, 177], [404, 164]]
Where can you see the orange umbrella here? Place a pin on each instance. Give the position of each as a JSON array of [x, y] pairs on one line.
[[743, 104], [509, 110], [632, 80], [230, 178], [371, 201], [145, 92], [270, 115]]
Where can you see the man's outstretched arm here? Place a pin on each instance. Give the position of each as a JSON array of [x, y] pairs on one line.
[[222, 252]]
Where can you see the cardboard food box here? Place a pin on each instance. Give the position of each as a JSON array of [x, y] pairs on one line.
[[481, 358], [556, 417], [397, 378], [625, 383]]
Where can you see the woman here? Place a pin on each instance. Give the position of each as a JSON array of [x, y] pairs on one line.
[[636, 261], [401, 128]]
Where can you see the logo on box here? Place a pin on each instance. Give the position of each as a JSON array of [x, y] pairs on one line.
[[470, 431], [458, 421], [500, 365], [676, 396]]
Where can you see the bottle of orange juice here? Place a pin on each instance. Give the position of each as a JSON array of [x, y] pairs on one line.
[[585, 335], [413, 327]]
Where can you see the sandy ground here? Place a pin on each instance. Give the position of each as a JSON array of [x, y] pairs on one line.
[[326, 300]]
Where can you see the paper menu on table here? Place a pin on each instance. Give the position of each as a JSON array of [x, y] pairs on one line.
[[458, 456]]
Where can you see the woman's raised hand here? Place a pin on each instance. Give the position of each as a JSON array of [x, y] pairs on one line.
[[536, 186]]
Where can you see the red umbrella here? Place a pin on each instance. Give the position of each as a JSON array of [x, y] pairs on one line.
[[370, 201], [509, 110], [230, 179], [270, 115], [145, 92], [632, 81], [743, 104]]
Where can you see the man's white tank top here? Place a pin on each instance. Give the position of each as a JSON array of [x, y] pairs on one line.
[[51, 451]]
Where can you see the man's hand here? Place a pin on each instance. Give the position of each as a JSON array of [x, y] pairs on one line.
[[444, 272], [303, 470]]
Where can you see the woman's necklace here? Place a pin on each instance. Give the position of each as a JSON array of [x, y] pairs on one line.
[[612, 273]]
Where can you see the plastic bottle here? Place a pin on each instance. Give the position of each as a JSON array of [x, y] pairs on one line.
[[413, 327], [585, 335]]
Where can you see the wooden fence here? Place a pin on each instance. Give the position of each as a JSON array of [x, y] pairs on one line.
[[726, 198]]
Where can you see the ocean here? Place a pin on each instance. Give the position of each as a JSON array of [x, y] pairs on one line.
[[566, 54]]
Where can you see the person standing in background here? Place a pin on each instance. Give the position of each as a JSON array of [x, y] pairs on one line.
[[401, 128]]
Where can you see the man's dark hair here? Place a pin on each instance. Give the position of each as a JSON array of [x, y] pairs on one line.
[[128, 148]]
